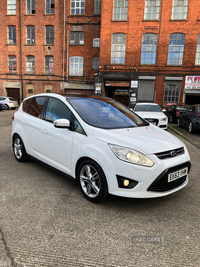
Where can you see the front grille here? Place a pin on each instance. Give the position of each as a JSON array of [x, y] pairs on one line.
[[170, 153], [161, 184], [153, 121]]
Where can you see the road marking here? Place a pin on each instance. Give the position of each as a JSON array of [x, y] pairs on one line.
[[174, 130]]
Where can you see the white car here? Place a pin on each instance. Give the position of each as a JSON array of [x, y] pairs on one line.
[[9, 102], [152, 113], [102, 144]]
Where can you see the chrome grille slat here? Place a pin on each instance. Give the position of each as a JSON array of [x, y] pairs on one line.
[[169, 153]]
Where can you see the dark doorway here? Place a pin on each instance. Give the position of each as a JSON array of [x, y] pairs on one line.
[[192, 99], [15, 93], [124, 99]]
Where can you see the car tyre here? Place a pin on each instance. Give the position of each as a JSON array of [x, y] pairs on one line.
[[190, 127], [7, 107], [19, 149], [92, 181]]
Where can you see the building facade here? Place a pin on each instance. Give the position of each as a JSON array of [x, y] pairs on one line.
[[130, 50], [150, 51]]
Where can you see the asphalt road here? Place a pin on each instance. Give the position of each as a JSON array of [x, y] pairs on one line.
[[45, 221]]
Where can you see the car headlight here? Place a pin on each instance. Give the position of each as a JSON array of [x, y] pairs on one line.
[[163, 119], [131, 156]]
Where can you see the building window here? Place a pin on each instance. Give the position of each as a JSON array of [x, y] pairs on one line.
[[50, 5], [77, 38], [176, 49], [152, 9], [77, 7], [49, 35], [30, 34], [30, 7], [30, 64], [11, 7], [11, 34], [120, 9], [179, 9], [118, 49], [97, 7], [95, 63], [172, 92], [76, 66], [149, 44], [96, 42], [197, 59], [48, 65], [12, 64]]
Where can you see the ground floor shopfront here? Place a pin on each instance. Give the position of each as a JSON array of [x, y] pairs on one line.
[[164, 90]]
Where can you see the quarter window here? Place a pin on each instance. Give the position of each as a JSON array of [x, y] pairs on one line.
[[30, 7], [11, 34], [77, 7], [49, 34], [176, 49], [149, 44], [152, 9], [11, 4], [50, 7], [179, 9], [49, 65], [36, 106], [76, 38], [30, 64], [120, 9], [197, 59], [12, 64], [97, 7], [76, 66], [118, 49], [30, 35]]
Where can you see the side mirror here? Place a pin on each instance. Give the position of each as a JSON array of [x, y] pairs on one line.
[[61, 123]]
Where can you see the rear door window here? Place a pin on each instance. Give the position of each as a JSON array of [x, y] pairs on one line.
[[35, 107]]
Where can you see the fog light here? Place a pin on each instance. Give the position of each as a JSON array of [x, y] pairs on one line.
[[126, 182]]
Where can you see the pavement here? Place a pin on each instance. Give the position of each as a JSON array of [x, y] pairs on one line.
[[45, 221]]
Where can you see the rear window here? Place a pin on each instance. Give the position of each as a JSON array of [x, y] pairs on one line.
[[148, 108]]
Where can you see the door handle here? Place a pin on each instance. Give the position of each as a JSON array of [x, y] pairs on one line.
[[44, 131]]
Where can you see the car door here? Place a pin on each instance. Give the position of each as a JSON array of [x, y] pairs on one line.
[[56, 143]]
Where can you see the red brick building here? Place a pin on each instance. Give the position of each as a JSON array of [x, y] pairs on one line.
[[148, 48], [129, 50]]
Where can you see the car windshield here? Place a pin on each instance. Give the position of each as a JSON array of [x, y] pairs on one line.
[[105, 113], [148, 108]]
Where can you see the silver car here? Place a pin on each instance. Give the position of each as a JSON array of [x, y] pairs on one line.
[[9, 102]]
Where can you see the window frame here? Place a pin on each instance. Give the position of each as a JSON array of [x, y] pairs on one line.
[[146, 52], [120, 46], [30, 60], [13, 7], [49, 65], [12, 31], [117, 10], [148, 10], [175, 6], [96, 42], [79, 40], [77, 7], [197, 57], [168, 97], [95, 63], [72, 71], [31, 32], [51, 2], [48, 38], [176, 49], [12, 58], [97, 7], [31, 9]]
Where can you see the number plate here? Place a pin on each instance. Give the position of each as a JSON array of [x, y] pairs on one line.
[[176, 175]]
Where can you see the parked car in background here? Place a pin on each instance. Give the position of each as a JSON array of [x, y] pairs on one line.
[[173, 112], [2, 107], [152, 113], [190, 119], [9, 102], [99, 142]]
